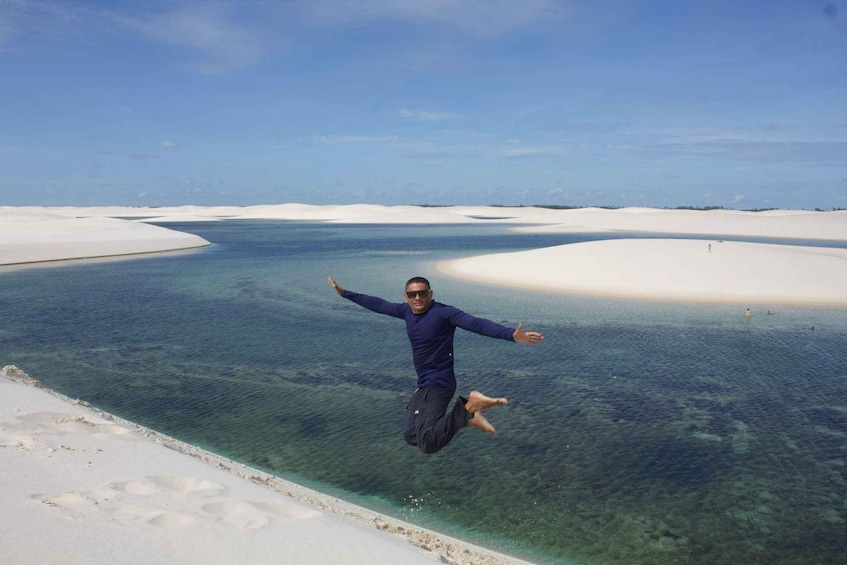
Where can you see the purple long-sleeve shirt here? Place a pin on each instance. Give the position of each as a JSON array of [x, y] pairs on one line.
[[431, 335]]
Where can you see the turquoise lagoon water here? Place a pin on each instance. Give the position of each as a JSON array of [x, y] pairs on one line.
[[639, 432]]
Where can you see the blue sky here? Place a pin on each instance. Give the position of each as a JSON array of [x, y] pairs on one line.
[[729, 103]]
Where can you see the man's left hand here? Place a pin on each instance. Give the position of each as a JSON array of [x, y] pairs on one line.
[[530, 338]]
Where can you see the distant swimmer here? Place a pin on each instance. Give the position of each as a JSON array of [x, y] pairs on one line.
[[431, 326], [749, 313]]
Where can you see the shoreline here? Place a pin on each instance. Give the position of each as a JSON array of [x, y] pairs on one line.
[[4, 267], [365, 530]]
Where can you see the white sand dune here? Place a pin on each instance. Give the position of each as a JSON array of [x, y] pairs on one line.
[[789, 224], [794, 224], [671, 269], [178, 218], [36, 236], [210, 212], [357, 214], [668, 269], [83, 487]]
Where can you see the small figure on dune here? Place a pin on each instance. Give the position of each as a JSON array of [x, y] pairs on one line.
[[431, 326]]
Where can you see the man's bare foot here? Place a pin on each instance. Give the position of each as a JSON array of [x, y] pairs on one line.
[[479, 421], [478, 401]]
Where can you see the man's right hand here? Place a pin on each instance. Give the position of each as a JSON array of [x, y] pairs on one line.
[[334, 285]]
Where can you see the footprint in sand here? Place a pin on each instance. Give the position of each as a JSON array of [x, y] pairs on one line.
[[171, 502], [88, 424], [71, 504], [21, 441], [54, 424], [148, 486], [237, 513]]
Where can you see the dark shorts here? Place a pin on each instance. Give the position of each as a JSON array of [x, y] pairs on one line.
[[428, 424]]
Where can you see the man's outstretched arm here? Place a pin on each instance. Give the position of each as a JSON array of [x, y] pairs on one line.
[[530, 338], [372, 303], [488, 328]]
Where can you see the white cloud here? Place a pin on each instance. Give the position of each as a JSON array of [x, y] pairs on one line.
[[345, 139], [797, 152], [167, 144], [208, 29], [523, 152], [424, 116], [769, 144], [532, 151], [480, 17], [20, 19]]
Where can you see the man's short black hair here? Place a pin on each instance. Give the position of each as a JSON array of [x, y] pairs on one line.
[[414, 280]]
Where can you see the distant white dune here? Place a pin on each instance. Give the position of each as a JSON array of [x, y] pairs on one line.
[[37, 235], [670, 269], [636, 268], [791, 224]]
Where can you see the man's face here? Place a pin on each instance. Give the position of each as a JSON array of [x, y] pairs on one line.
[[419, 297]]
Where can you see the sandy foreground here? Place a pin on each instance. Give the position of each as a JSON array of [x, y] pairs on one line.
[[83, 487]]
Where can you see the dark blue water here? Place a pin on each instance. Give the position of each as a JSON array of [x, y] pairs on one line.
[[637, 433]]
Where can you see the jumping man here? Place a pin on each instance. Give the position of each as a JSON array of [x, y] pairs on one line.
[[430, 326]]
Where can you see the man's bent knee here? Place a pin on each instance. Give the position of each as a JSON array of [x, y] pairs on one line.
[[428, 448], [429, 444]]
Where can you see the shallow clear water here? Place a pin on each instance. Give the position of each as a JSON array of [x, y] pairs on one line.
[[639, 432]]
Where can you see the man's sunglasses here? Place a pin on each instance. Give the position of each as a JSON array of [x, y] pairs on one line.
[[412, 294]]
